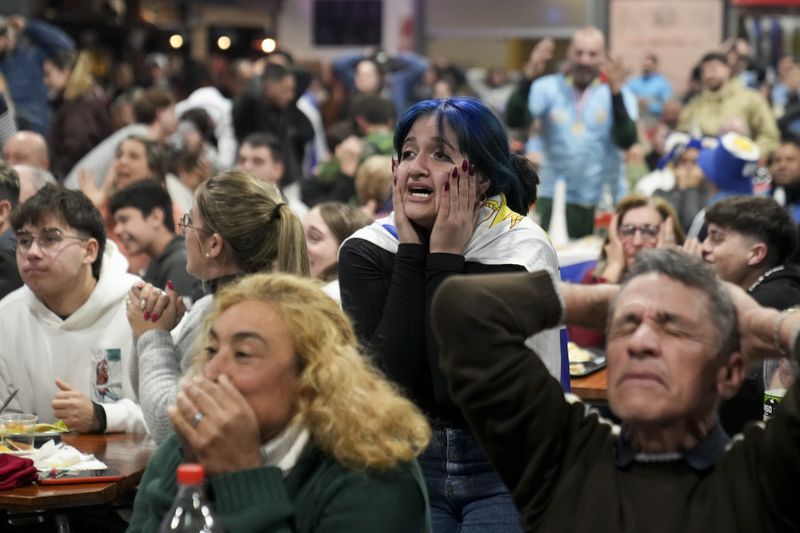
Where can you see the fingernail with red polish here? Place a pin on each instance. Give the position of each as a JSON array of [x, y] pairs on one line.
[[447, 185], [154, 317], [147, 315], [454, 173], [464, 165], [170, 285], [472, 170]]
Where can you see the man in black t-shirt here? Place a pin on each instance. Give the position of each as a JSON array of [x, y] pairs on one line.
[[750, 241]]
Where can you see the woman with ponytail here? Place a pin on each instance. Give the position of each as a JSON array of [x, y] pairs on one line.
[[238, 225], [460, 201]]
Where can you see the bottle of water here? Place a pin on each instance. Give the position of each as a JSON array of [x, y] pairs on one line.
[[190, 513]]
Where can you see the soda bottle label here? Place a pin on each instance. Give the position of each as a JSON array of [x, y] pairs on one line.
[[772, 398]]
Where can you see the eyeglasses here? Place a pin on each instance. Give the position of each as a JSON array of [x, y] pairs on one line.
[[48, 240], [649, 231], [186, 222]]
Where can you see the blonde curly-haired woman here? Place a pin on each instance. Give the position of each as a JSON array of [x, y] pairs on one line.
[[295, 428]]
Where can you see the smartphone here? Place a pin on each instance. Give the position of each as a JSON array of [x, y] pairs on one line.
[[62, 477]]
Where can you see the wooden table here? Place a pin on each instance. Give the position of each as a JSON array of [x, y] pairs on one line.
[[128, 453], [591, 388]]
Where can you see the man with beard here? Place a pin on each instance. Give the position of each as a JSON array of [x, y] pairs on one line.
[[725, 104], [585, 118], [785, 170]]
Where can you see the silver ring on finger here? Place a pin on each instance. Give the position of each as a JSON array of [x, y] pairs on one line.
[[198, 417]]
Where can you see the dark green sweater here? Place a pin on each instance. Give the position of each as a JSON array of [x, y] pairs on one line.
[[318, 494], [568, 470]]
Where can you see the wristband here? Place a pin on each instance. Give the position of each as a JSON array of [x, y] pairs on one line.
[[99, 418], [776, 331]]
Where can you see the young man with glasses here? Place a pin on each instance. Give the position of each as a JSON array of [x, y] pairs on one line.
[[144, 223], [65, 341]]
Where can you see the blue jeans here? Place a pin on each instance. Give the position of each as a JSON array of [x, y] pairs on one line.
[[466, 494]]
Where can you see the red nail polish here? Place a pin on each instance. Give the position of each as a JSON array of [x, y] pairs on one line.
[[147, 315], [472, 170], [447, 185], [170, 285], [464, 165], [154, 317], [454, 173]]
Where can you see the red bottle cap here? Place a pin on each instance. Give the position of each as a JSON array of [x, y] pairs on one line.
[[191, 474]]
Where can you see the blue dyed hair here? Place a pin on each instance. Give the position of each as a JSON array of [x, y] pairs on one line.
[[483, 140]]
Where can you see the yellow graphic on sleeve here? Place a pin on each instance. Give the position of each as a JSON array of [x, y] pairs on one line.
[[501, 212]]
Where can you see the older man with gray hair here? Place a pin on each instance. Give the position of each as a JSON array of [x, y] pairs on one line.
[[678, 343]]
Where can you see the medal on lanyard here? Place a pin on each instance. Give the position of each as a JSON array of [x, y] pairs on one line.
[[578, 127]]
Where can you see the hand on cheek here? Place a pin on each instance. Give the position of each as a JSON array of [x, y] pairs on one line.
[[457, 211]]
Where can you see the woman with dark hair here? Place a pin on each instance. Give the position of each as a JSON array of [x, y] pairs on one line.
[[459, 200]]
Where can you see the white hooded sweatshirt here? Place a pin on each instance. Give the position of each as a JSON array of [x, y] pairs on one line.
[[91, 350]]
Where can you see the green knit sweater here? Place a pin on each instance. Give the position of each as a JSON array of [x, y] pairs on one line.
[[318, 494]]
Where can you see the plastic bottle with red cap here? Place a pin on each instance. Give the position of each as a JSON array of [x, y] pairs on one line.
[[190, 513]]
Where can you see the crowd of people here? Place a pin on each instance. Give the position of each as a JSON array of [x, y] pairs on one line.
[[335, 289]]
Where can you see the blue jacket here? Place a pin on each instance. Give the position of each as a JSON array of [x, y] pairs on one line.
[[22, 68], [653, 87]]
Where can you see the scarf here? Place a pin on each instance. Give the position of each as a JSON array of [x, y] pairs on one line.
[[501, 237]]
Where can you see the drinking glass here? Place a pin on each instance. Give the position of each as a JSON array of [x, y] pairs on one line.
[[18, 430]]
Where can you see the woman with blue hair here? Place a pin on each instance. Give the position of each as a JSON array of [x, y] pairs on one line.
[[459, 205]]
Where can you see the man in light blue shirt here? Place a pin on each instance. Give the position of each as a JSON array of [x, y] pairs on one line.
[[651, 88], [585, 119]]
